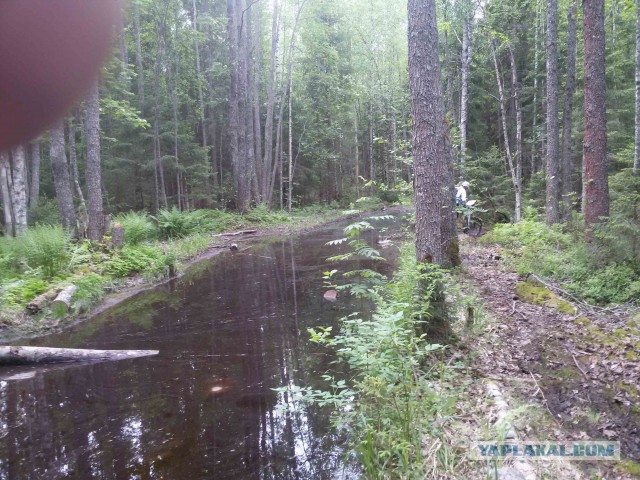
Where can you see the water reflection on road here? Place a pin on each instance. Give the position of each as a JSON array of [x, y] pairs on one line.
[[229, 331]]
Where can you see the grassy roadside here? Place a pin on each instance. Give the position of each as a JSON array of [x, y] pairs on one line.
[[33, 269]]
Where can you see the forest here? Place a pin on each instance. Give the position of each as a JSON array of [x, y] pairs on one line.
[[506, 136]]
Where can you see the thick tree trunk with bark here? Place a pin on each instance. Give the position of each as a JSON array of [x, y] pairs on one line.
[[95, 229], [596, 185], [433, 182], [34, 190], [536, 56], [552, 211], [19, 158], [5, 190], [567, 112], [268, 129], [61, 179], [75, 175], [519, 150]]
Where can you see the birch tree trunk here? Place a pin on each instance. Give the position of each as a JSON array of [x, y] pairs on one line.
[[567, 111], [73, 160], [7, 203], [464, 92], [95, 229], [34, 191], [552, 210], [19, 190], [596, 185], [433, 182], [61, 179], [518, 177], [505, 132]]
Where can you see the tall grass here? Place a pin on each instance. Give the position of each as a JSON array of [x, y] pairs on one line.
[[43, 247]]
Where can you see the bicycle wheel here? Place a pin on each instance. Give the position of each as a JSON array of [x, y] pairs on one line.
[[475, 227]]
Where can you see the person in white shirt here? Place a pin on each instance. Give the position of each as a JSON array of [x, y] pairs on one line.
[[461, 193]]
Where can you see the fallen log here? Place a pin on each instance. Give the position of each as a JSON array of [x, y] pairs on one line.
[[62, 302], [38, 303], [21, 355], [233, 234]]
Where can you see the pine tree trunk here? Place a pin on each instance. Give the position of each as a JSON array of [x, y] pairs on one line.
[[201, 105], [536, 56], [552, 210], [34, 191], [567, 111], [7, 203], [19, 190], [433, 182], [596, 194], [61, 179], [257, 114], [93, 175], [636, 156]]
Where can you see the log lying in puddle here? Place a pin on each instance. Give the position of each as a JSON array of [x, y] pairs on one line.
[[33, 355]]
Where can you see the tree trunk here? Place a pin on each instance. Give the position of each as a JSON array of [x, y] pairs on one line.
[[536, 56], [596, 194], [34, 191], [290, 171], [357, 159], [73, 159], [64, 299], [464, 92], [61, 180], [518, 177], [29, 355], [433, 182], [201, 106], [94, 168], [567, 111], [505, 132], [7, 203], [19, 190], [636, 156], [139, 67], [268, 128], [552, 210], [257, 115]]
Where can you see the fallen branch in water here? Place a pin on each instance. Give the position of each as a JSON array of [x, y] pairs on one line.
[[233, 234], [19, 355]]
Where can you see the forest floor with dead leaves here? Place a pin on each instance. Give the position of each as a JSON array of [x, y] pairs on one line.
[[566, 374]]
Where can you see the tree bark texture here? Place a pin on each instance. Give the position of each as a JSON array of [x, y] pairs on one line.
[[596, 185], [19, 158], [433, 180], [94, 168], [567, 111], [34, 191], [5, 190], [552, 213], [61, 178]]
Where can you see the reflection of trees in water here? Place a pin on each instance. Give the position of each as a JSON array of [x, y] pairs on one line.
[[242, 327]]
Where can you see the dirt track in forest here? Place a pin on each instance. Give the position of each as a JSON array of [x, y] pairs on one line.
[[582, 369]]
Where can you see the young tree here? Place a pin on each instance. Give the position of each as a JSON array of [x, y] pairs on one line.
[[433, 181], [95, 229], [61, 180], [465, 70], [553, 168], [596, 184]]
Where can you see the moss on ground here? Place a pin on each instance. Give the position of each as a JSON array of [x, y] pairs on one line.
[[539, 295]]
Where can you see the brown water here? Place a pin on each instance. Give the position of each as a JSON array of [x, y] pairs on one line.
[[229, 331]]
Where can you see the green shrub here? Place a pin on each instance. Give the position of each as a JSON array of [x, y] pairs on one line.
[[132, 260], [138, 227], [90, 291], [617, 283], [24, 291], [262, 215], [213, 221], [45, 212], [173, 223], [46, 247]]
